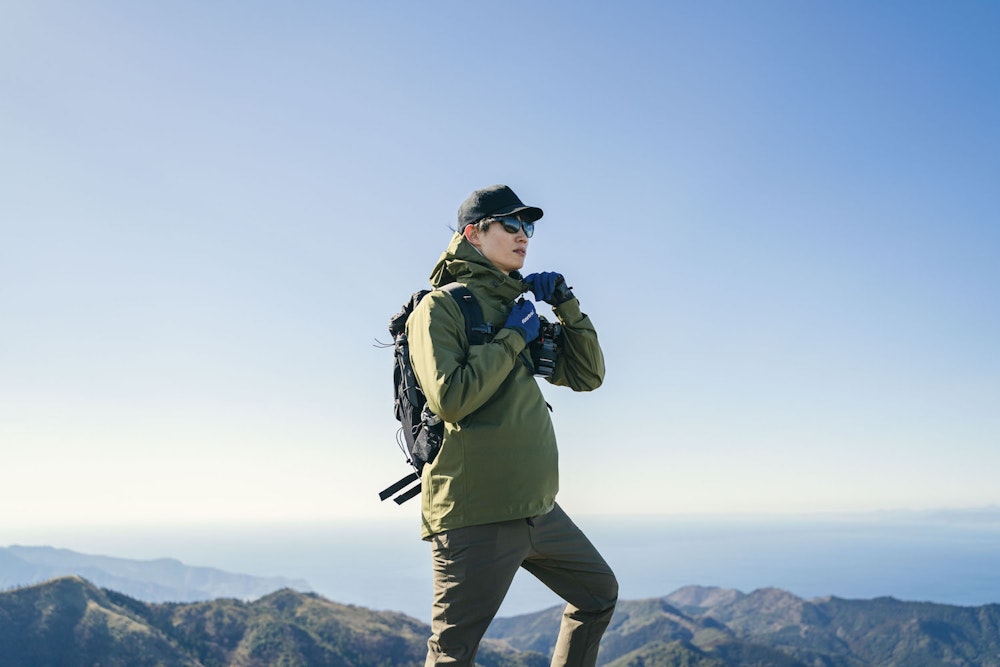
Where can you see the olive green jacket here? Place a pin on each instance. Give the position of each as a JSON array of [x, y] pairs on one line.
[[499, 459]]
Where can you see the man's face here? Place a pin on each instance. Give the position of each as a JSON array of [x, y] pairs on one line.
[[506, 250]]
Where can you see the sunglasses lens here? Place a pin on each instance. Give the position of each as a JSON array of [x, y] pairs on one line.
[[512, 225]]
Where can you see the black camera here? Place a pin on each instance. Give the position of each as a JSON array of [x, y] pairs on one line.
[[545, 348]]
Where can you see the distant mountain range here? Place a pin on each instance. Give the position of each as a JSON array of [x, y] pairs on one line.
[[160, 580], [70, 622]]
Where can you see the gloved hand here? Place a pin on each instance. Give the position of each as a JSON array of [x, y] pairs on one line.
[[549, 286], [524, 320]]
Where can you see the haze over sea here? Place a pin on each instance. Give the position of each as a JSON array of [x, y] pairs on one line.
[[948, 557]]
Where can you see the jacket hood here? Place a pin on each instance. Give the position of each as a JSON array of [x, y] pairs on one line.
[[461, 262]]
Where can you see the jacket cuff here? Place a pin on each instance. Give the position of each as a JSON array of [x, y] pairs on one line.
[[511, 339], [568, 311]]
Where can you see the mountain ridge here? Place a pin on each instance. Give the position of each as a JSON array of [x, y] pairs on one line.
[[70, 621], [73, 623], [770, 626]]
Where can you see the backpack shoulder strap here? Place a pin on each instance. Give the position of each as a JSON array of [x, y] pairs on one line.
[[476, 328]]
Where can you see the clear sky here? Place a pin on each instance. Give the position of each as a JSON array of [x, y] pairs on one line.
[[782, 217]]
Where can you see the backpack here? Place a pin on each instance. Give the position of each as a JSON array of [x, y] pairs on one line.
[[420, 430]]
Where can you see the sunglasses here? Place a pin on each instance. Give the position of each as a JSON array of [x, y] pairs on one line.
[[513, 224]]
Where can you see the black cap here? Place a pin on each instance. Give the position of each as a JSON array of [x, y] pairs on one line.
[[491, 201]]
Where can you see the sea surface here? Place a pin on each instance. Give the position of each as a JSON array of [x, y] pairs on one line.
[[947, 557]]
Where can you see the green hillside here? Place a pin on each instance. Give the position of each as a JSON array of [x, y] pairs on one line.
[[699, 627], [69, 622]]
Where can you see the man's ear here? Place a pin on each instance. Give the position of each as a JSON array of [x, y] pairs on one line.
[[471, 234]]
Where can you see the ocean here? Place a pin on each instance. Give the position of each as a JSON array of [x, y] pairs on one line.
[[946, 557]]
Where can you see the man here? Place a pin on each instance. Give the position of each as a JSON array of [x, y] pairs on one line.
[[488, 498]]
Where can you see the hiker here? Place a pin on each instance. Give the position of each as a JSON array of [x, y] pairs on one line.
[[489, 496]]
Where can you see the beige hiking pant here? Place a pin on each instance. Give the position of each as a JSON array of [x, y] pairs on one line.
[[474, 567]]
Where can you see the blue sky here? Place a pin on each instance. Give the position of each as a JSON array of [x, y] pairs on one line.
[[782, 217]]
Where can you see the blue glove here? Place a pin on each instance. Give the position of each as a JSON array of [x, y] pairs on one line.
[[549, 286], [524, 320]]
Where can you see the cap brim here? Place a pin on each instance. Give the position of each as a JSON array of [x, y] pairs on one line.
[[528, 213]]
